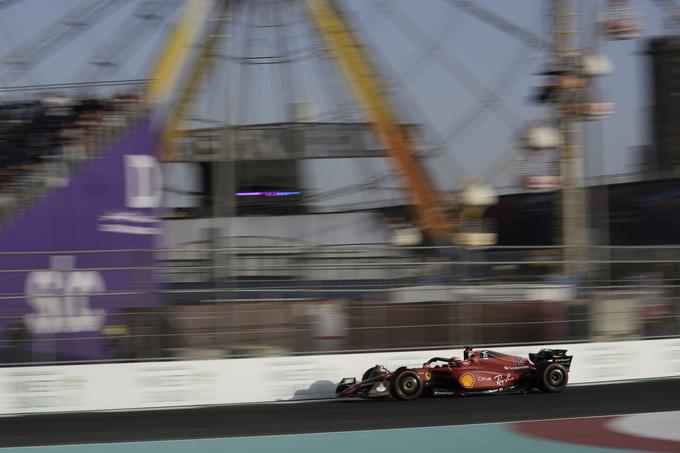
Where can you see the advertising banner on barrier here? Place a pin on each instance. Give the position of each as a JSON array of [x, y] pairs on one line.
[[58, 293], [207, 382]]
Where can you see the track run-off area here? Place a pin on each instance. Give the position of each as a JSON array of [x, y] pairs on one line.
[[639, 416]]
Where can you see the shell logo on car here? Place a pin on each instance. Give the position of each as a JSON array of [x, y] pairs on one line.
[[467, 381]]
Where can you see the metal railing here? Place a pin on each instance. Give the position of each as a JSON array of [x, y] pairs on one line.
[[249, 301]]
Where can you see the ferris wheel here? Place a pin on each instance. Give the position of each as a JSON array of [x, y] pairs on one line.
[[309, 64]]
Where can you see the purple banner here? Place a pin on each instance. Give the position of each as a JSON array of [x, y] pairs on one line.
[[80, 257]]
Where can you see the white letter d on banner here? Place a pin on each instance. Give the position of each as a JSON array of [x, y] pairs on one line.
[[143, 181]]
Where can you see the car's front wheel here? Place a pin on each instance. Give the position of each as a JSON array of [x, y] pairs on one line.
[[553, 378], [406, 385]]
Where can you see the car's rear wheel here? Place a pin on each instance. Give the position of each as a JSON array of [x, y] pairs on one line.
[[554, 378], [406, 385]]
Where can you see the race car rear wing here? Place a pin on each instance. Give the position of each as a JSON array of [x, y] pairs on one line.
[[552, 355]]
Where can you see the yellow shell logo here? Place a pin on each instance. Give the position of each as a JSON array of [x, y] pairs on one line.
[[467, 381]]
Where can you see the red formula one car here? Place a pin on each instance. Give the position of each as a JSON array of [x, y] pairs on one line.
[[480, 371]]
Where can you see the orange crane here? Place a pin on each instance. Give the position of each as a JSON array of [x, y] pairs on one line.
[[365, 83]]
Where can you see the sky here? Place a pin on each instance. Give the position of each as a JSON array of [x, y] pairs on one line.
[[436, 95]]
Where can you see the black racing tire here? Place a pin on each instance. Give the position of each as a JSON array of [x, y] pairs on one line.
[[406, 385], [553, 377]]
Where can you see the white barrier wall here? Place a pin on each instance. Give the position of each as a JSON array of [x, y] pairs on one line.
[[190, 383]]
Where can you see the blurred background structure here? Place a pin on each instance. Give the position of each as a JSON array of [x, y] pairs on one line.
[[215, 178]]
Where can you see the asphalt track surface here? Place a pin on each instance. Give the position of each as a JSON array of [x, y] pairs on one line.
[[340, 415]]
